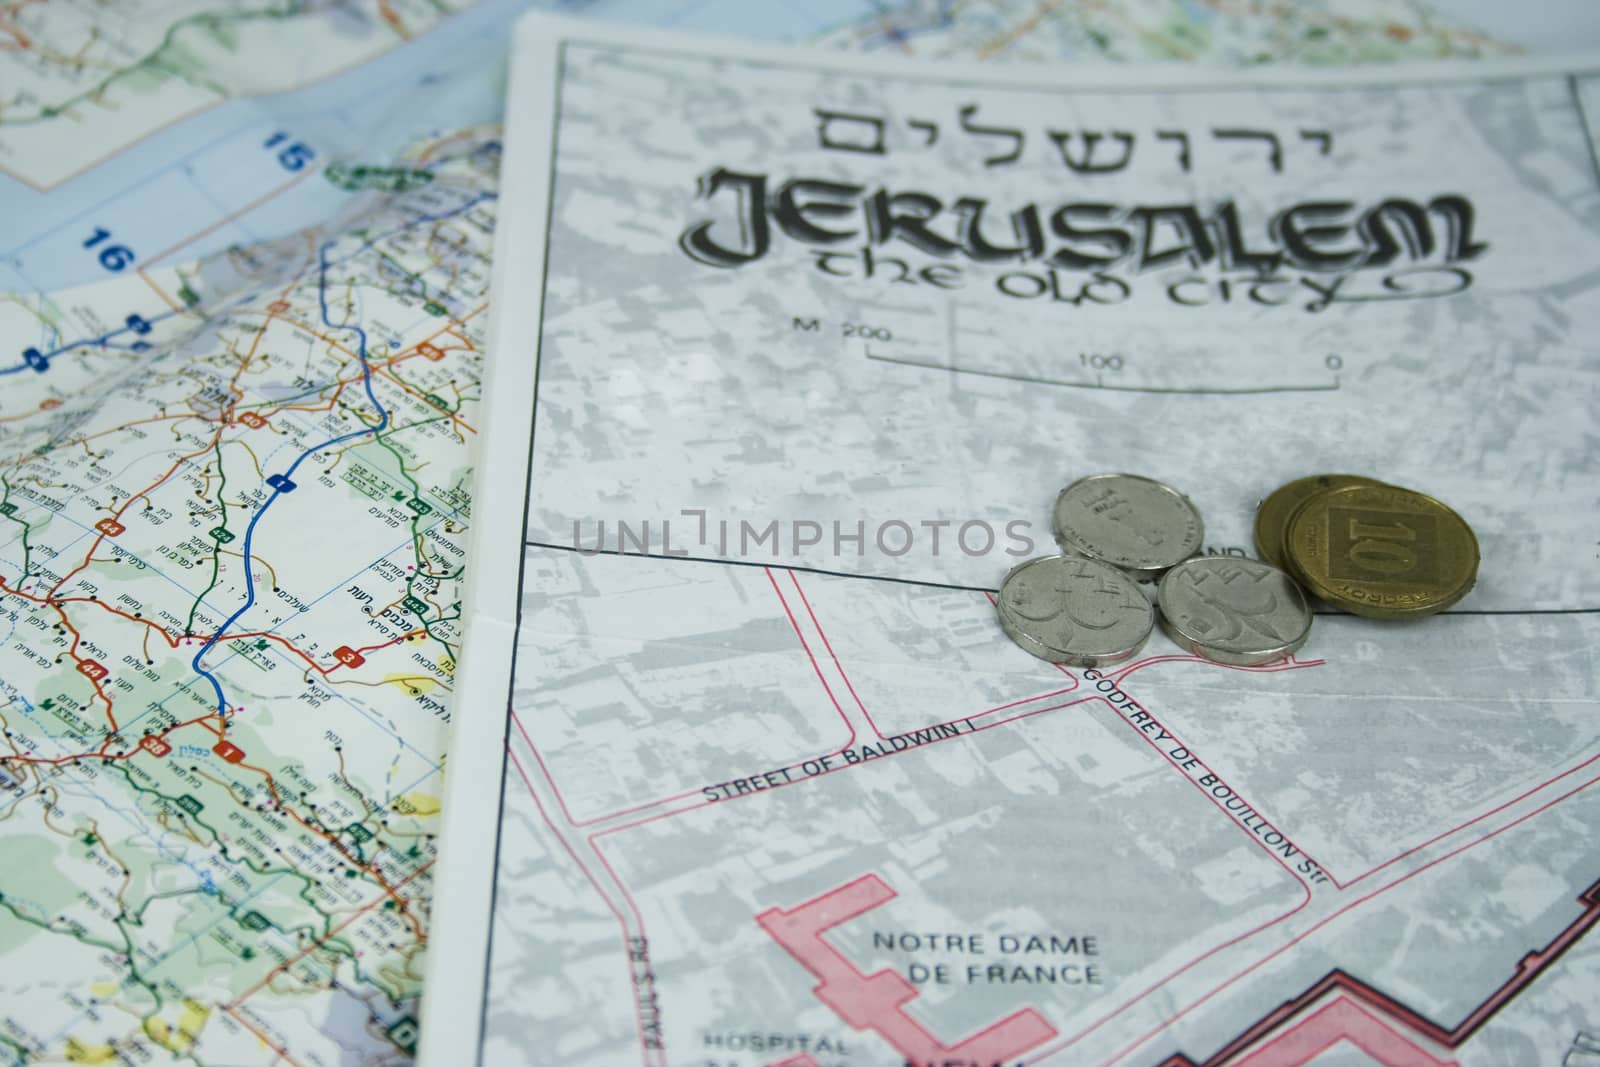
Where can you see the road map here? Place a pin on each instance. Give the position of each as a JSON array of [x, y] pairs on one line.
[[804, 348], [236, 518], [234, 476], [121, 72]]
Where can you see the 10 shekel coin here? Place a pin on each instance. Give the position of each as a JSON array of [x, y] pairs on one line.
[[1236, 611], [1082, 612], [1134, 523], [1273, 513], [1382, 551]]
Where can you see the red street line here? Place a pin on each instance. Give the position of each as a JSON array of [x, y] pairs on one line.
[[1116, 681], [623, 889], [101, 754], [793, 577], [812, 658], [656, 803], [847, 766], [282, 1052], [159, 482], [594, 841], [1018, 703], [972, 728], [1342, 1019], [1076, 682], [1527, 971], [846, 676], [544, 768], [325, 671], [1142, 994], [1457, 829], [1288, 664], [72, 654], [1305, 890], [627, 949], [1506, 991], [297, 957], [562, 838], [1292, 942], [1294, 664], [1147, 739], [561, 800], [580, 823]]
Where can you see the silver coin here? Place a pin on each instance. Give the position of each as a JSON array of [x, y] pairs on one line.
[[1067, 609], [1237, 611], [1136, 523]]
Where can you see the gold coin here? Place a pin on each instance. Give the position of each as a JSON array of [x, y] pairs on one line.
[[1382, 551], [1273, 513]]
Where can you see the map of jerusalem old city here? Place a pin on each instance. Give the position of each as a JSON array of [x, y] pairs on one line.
[[234, 517]]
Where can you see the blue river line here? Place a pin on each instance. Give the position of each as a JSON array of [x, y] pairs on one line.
[[283, 483], [35, 360]]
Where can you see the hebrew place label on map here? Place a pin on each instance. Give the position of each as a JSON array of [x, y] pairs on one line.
[[817, 305], [805, 347]]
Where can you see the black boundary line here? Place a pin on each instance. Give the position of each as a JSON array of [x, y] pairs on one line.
[[1220, 390], [527, 500], [1339, 981], [1583, 120], [778, 565], [1265, 1025], [527, 507], [1508, 611], [774, 564], [828, 63]]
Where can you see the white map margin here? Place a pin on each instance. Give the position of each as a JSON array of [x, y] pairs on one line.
[[455, 980], [459, 937]]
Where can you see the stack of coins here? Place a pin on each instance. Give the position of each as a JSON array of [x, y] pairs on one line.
[[1370, 548], [1373, 549], [1084, 608]]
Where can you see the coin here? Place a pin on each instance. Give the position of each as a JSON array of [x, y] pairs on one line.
[[1067, 609], [1237, 611], [1273, 513], [1382, 551], [1136, 523]]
